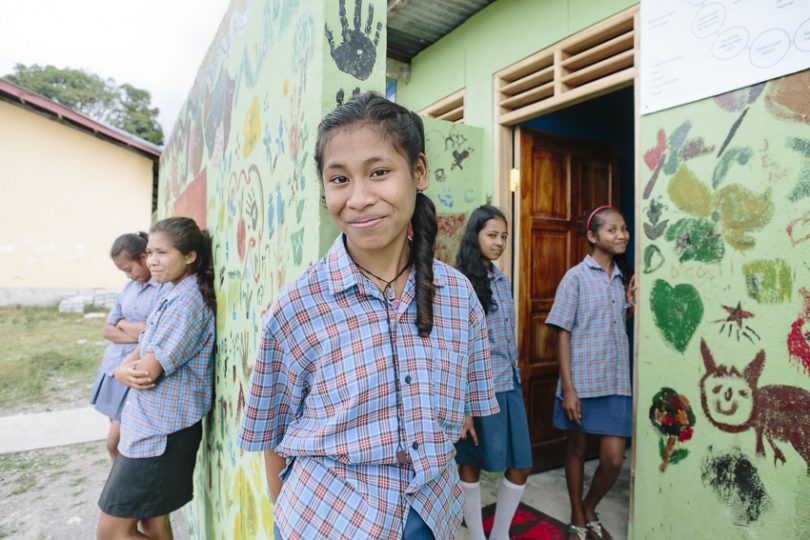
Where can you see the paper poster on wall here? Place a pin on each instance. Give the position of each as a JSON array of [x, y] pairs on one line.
[[693, 49]]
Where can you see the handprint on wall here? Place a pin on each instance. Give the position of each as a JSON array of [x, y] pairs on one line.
[[357, 53]]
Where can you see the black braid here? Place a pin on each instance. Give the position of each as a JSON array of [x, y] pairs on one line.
[[425, 228], [407, 134]]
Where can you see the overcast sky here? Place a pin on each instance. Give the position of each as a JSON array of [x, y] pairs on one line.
[[156, 45]]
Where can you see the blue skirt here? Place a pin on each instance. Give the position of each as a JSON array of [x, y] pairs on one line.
[[108, 395], [605, 415], [503, 438]]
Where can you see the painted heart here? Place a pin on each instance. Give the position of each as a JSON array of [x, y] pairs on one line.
[[677, 312]]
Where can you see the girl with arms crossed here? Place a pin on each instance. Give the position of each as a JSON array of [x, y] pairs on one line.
[[503, 439], [170, 375], [594, 393], [124, 324], [370, 361]]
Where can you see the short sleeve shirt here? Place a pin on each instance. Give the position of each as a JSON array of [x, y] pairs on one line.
[[591, 306], [134, 303], [323, 395], [501, 330], [180, 332]]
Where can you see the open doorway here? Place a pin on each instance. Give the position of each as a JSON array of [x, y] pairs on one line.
[[571, 160]]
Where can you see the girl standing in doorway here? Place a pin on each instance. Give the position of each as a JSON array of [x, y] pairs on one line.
[[124, 324], [590, 310], [170, 375], [502, 440], [373, 361]]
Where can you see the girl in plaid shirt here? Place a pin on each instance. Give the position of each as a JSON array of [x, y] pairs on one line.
[[372, 362], [170, 375], [126, 321], [504, 437], [590, 310]]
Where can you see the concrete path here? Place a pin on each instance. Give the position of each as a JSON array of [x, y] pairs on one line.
[[43, 430]]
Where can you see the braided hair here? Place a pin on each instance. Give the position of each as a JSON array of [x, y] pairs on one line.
[[407, 134]]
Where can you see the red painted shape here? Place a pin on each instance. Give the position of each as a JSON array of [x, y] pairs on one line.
[[653, 156], [193, 201], [798, 341]]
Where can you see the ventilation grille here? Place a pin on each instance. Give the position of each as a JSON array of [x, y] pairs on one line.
[[600, 58], [450, 108]]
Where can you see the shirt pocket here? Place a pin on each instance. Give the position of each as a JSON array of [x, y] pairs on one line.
[[449, 384]]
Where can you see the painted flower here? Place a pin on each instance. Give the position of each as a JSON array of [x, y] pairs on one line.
[[787, 97], [252, 128]]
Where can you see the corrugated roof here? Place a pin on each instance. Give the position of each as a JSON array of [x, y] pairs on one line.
[[414, 25], [13, 93]]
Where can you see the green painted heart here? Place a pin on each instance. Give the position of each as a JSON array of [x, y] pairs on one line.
[[677, 312]]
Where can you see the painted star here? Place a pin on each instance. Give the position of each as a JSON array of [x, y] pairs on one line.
[[737, 315]]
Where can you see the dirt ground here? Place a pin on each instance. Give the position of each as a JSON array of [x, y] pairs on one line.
[[52, 493]]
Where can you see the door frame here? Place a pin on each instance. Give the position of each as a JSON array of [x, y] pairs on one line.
[[549, 69]]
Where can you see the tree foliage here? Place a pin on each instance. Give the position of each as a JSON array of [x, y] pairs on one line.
[[125, 107]]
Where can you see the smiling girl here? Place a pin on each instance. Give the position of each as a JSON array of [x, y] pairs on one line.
[[170, 374], [594, 393], [502, 440], [370, 361]]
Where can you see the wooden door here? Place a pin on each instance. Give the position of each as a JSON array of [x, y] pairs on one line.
[[561, 179]]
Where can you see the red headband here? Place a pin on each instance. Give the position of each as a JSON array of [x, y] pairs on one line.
[[598, 209]]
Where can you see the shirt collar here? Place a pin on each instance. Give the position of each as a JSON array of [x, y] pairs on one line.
[[189, 282], [343, 273], [591, 263], [497, 275]]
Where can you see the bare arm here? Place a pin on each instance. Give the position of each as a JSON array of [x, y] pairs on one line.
[[273, 465], [116, 335], [570, 398], [632, 289], [139, 373]]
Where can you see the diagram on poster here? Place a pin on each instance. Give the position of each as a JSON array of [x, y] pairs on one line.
[[692, 49]]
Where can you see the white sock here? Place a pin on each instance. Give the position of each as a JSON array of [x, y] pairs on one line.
[[472, 510], [509, 495]]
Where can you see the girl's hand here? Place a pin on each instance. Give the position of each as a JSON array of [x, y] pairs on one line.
[[632, 288], [571, 406], [469, 427], [131, 375]]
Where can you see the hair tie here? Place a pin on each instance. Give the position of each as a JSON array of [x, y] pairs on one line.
[[596, 210]]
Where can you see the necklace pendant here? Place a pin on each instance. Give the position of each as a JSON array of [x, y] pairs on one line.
[[390, 293], [402, 457]]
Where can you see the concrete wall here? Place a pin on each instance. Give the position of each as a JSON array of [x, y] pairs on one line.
[[240, 161], [724, 354], [66, 195]]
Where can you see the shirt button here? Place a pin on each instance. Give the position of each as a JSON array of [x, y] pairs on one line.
[[415, 445], [407, 379]]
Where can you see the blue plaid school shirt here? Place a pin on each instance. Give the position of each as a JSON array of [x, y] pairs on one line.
[[501, 329], [180, 332], [134, 303], [591, 306], [323, 396]]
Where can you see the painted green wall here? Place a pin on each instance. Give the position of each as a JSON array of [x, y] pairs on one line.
[[240, 160], [454, 154], [724, 200], [496, 37]]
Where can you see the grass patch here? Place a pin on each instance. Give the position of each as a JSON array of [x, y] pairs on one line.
[[46, 354]]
